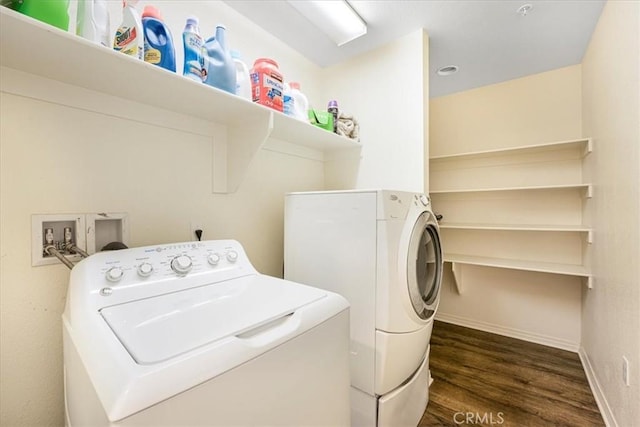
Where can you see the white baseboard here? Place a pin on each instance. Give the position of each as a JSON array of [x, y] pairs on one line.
[[598, 394], [509, 332]]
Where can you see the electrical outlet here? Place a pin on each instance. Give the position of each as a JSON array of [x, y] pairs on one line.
[[625, 371], [193, 226]]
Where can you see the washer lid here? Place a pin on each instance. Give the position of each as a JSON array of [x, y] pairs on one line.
[[159, 328]]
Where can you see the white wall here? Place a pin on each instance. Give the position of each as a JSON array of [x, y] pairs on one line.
[[388, 91], [611, 115], [538, 307]]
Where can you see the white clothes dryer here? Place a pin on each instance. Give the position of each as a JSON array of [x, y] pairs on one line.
[[191, 334], [381, 250]]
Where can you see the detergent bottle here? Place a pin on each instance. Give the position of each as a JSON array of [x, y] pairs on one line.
[[219, 66], [193, 50], [158, 43], [300, 102], [92, 21], [267, 84], [129, 37], [287, 100], [243, 80], [332, 108], [54, 12]]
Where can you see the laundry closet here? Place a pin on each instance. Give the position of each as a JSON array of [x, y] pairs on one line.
[[511, 186], [561, 146]]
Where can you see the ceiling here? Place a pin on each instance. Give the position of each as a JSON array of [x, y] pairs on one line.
[[487, 39]]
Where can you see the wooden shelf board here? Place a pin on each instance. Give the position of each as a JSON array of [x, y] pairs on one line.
[[285, 127], [514, 227], [70, 59], [582, 143], [542, 267], [586, 187]]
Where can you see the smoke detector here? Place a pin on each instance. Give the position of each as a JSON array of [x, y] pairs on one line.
[[524, 9]]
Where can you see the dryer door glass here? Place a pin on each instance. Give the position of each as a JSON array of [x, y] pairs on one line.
[[425, 266]]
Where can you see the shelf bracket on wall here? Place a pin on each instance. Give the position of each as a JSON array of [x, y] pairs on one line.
[[233, 155], [457, 276], [589, 281], [588, 147]]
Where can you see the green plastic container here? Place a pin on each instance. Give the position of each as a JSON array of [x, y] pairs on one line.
[[54, 12], [321, 119]]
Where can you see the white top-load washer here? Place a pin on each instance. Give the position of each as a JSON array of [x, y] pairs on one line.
[[381, 250], [191, 334]]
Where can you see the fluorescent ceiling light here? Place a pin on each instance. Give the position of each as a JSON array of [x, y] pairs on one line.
[[335, 18]]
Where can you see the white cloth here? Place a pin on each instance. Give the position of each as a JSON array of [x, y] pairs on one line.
[[348, 126]]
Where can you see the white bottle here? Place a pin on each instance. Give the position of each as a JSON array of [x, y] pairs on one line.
[[287, 100], [243, 80], [300, 103], [129, 37], [92, 21]]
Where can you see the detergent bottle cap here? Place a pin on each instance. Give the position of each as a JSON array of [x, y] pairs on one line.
[[150, 11], [294, 85], [192, 20]]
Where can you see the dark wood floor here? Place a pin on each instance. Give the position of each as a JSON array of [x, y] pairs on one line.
[[491, 380]]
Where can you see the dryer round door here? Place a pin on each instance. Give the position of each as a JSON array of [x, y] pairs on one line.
[[424, 266]]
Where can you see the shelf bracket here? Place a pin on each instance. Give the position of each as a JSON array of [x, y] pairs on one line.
[[457, 276], [588, 191], [588, 148], [589, 281], [233, 155]]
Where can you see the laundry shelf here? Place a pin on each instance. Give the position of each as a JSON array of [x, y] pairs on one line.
[[302, 133], [587, 188], [518, 227], [67, 58], [583, 144], [542, 267], [536, 266], [515, 227], [470, 186]]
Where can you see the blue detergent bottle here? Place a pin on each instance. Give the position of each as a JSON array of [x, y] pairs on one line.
[[193, 51], [219, 65], [158, 43]]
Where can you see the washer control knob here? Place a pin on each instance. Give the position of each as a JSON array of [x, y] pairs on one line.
[[213, 259], [181, 264], [145, 269], [232, 256], [114, 274], [424, 199]]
